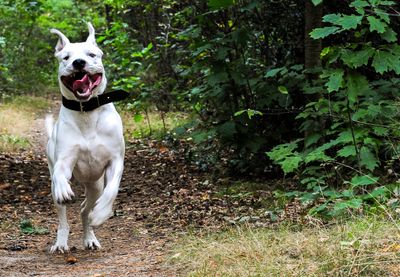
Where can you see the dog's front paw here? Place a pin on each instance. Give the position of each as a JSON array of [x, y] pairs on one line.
[[62, 192], [59, 247], [90, 242]]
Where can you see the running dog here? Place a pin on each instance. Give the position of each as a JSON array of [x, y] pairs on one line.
[[86, 144]]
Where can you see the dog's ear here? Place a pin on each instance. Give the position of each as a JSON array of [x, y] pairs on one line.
[[62, 40], [91, 38]]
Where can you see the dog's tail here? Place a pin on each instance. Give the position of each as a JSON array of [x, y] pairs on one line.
[[49, 123]]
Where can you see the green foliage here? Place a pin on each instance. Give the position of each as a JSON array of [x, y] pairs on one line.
[[13, 142], [354, 120], [26, 227], [286, 156]]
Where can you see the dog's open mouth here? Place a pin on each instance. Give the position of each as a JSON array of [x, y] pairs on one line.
[[82, 83]]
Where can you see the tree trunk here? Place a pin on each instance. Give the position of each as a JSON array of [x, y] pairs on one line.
[[312, 50], [313, 19]]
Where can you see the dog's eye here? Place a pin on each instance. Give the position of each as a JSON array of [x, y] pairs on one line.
[[66, 58], [92, 55]]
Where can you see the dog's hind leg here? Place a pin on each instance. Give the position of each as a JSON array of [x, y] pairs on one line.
[[92, 193], [103, 206], [62, 231]]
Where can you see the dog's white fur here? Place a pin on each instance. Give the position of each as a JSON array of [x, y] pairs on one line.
[[84, 147]]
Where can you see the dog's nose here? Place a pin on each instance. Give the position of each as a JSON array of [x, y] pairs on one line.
[[79, 64]]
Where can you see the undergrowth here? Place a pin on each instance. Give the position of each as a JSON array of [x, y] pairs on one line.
[[367, 246], [153, 124]]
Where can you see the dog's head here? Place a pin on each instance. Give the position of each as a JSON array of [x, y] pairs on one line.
[[81, 73]]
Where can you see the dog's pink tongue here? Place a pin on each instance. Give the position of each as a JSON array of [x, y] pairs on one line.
[[82, 85]]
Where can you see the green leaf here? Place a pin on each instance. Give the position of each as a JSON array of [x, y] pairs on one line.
[[347, 151], [380, 131], [291, 164], [218, 4], [273, 72], [317, 155], [325, 51], [283, 90], [332, 18], [376, 25], [27, 227], [280, 152], [364, 180], [382, 14], [286, 156], [360, 6], [335, 81], [349, 204], [138, 117], [316, 2], [350, 21], [389, 35], [250, 113], [382, 61], [355, 59], [357, 84], [378, 192], [368, 159], [319, 33]]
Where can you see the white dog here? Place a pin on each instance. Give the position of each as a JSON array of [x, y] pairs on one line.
[[86, 145]]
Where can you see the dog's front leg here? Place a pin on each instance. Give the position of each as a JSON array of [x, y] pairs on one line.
[[61, 188], [62, 192], [103, 207], [61, 243]]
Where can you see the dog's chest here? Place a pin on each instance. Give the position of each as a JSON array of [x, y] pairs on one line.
[[93, 158], [95, 150]]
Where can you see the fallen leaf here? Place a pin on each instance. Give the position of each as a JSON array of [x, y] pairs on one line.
[[70, 259], [163, 149]]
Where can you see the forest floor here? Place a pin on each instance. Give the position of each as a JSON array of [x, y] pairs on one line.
[[162, 196]]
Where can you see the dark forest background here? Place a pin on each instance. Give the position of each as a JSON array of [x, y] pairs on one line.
[[298, 89]]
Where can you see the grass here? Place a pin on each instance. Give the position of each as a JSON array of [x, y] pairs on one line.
[[139, 126], [16, 117], [368, 246]]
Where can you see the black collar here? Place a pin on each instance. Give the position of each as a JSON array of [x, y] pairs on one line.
[[95, 102]]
